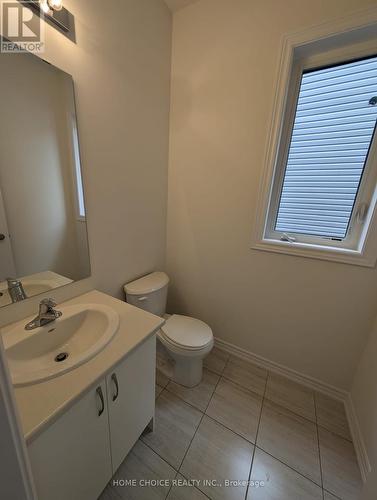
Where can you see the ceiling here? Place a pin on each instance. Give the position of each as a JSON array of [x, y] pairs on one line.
[[175, 5]]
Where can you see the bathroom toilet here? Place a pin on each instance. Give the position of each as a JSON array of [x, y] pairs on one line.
[[186, 340]]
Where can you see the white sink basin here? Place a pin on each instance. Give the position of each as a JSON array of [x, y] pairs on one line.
[[81, 333]]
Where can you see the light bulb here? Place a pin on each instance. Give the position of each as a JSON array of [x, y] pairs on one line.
[[55, 4], [44, 6]]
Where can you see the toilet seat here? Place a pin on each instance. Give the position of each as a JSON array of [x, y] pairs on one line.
[[186, 333]]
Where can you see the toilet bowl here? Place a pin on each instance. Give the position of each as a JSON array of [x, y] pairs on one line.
[[187, 341]]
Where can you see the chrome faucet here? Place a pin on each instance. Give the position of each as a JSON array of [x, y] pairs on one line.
[[46, 314], [16, 290]]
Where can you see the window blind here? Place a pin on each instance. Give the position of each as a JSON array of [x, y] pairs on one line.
[[333, 129]]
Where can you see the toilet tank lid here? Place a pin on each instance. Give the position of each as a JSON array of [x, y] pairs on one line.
[[147, 284]]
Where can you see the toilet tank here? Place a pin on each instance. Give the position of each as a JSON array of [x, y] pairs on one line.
[[149, 293]]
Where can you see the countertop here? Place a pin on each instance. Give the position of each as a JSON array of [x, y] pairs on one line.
[[40, 404]]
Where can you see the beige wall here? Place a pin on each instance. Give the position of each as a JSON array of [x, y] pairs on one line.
[[364, 397], [175, 5], [121, 69], [310, 315]]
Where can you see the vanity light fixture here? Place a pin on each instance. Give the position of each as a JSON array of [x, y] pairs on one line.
[[53, 12], [48, 6], [44, 6], [55, 4]]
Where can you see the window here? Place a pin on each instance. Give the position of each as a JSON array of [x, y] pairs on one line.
[[80, 203], [322, 194]]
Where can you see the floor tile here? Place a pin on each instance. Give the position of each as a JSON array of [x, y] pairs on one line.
[[185, 491], [291, 439], [199, 395], [291, 395], [158, 390], [329, 496], [246, 374], [175, 425], [109, 493], [280, 482], [331, 415], [216, 453], [341, 474], [142, 464], [161, 379], [216, 360], [289, 464], [236, 408]]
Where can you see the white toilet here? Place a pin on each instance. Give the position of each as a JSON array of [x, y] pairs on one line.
[[187, 340]]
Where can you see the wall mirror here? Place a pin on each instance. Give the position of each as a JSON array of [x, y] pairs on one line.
[[43, 234]]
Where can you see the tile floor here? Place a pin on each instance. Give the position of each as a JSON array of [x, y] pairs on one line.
[[242, 434]]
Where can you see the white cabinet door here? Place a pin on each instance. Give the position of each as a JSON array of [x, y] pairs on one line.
[[71, 460], [131, 399]]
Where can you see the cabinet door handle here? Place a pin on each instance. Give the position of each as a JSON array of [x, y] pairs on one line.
[[100, 394], [115, 380]]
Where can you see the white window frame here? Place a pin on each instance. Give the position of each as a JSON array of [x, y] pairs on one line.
[[300, 52], [77, 174], [365, 193]]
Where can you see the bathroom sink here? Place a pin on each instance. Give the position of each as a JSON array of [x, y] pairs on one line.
[[51, 350]]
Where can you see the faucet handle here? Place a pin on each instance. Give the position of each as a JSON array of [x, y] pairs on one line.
[[13, 282], [47, 305]]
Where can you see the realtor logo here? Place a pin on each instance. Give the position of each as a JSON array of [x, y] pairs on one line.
[[21, 27]]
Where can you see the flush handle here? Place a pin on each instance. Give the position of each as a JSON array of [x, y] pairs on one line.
[[100, 394], [142, 299], [115, 380]]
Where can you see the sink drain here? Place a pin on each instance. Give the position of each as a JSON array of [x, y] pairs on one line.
[[62, 356]]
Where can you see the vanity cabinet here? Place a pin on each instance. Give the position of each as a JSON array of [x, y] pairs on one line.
[[131, 399], [77, 455], [71, 458]]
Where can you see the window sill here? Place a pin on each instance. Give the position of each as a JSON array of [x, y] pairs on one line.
[[342, 255]]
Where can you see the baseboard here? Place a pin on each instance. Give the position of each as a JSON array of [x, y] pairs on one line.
[[306, 380], [357, 437], [316, 385]]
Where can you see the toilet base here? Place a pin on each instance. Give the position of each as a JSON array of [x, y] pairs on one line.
[[164, 362], [184, 369], [188, 371]]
